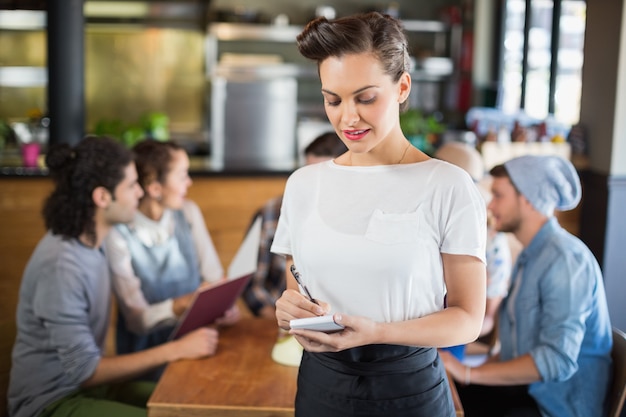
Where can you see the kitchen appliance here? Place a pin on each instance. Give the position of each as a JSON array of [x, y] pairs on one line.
[[253, 117]]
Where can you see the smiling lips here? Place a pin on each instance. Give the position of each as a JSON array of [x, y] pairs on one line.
[[355, 134]]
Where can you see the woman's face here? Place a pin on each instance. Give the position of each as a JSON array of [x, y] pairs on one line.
[[361, 100], [177, 181]]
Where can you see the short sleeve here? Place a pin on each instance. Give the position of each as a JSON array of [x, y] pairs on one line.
[[463, 218], [281, 244]]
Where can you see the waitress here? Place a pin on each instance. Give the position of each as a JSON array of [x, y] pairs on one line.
[[380, 235]]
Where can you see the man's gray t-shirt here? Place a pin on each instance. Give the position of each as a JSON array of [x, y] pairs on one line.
[[62, 320]]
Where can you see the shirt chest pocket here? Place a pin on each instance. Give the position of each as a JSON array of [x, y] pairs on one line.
[[393, 228]]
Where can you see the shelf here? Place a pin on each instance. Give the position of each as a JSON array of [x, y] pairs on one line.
[[433, 26], [260, 72], [276, 33], [429, 69], [22, 19], [253, 32], [23, 76]]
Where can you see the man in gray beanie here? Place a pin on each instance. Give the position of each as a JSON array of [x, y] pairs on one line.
[[554, 325]]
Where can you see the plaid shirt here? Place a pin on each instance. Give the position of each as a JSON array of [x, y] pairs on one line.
[[268, 282]]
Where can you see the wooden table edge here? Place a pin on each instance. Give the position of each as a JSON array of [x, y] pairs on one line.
[[458, 407], [174, 410]]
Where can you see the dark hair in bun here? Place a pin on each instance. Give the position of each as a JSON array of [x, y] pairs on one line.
[[373, 32]]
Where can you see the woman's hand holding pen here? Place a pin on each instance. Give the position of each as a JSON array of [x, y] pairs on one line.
[[293, 305]]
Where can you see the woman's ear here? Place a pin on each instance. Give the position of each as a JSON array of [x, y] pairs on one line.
[[404, 85], [101, 197], [154, 190]]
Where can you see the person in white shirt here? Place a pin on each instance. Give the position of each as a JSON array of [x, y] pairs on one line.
[[380, 235], [164, 255]]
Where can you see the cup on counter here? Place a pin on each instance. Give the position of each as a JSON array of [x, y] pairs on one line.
[[287, 351], [30, 154]]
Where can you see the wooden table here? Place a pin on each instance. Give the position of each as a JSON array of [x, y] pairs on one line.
[[241, 380]]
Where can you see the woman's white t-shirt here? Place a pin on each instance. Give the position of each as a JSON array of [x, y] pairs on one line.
[[368, 240]]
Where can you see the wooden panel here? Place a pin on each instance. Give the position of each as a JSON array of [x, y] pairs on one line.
[[228, 205], [21, 227]]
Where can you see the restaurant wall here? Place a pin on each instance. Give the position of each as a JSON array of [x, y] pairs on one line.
[[618, 154], [603, 102], [600, 77], [22, 48], [131, 71], [614, 259]]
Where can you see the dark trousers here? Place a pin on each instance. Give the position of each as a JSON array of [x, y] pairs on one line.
[[489, 401], [127, 399]]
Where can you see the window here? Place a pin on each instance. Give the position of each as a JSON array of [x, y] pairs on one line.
[[542, 58]]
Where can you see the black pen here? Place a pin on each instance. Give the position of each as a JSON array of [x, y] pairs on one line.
[[296, 275]]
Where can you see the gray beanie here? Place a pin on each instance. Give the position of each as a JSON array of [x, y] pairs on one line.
[[547, 182]]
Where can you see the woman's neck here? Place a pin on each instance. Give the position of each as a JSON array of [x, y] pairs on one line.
[[401, 152], [151, 208]]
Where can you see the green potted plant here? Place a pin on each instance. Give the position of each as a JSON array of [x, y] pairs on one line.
[[154, 125], [421, 130]]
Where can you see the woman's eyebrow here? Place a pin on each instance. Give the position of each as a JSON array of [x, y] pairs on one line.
[[354, 92]]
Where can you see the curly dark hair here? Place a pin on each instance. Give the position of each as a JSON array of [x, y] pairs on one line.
[[372, 32], [153, 160], [93, 162]]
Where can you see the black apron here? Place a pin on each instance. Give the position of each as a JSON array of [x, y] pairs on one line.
[[373, 380]]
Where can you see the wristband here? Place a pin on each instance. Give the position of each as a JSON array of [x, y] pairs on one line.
[[467, 375]]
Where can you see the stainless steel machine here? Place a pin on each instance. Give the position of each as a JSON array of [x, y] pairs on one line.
[[253, 117]]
